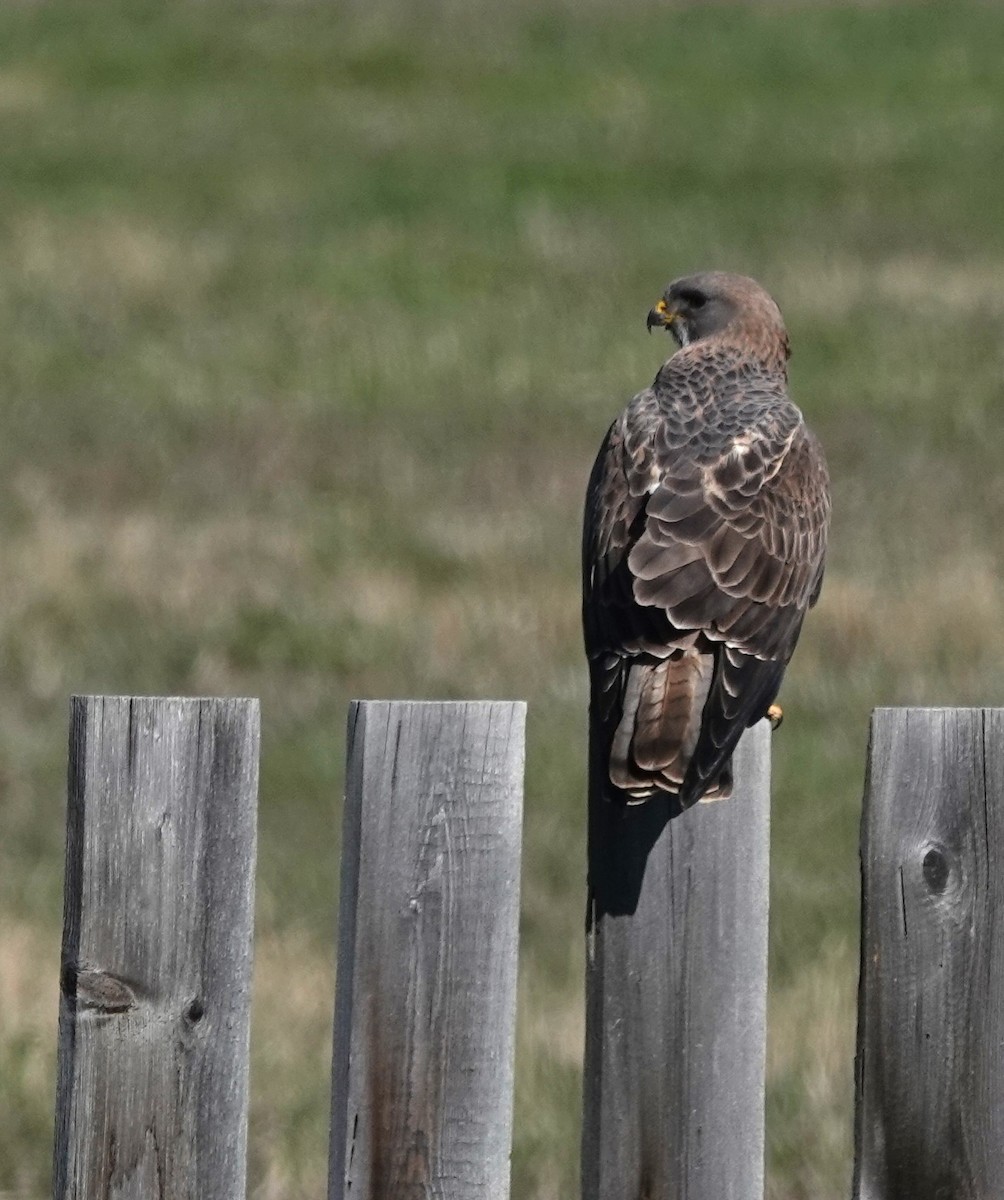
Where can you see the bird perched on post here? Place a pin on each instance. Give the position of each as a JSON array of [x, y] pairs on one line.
[[705, 532]]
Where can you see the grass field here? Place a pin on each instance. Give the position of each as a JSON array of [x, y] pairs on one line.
[[313, 317]]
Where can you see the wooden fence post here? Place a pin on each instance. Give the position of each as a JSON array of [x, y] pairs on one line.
[[425, 1006], [930, 1066], [676, 985], [156, 965]]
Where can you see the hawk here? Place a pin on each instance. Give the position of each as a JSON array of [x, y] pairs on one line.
[[705, 533]]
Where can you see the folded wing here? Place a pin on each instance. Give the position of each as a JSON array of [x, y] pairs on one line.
[[702, 554]]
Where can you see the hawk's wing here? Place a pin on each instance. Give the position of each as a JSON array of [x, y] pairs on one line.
[[703, 549]]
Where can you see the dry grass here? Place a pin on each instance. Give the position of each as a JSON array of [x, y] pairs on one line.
[[29, 1004], [810, 1077], [123, 260], [838, 286], [293, 1008]]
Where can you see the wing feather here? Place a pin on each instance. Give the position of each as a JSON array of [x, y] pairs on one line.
[[703, 547]]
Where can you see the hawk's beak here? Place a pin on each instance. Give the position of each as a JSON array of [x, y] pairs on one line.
[[661, 316]]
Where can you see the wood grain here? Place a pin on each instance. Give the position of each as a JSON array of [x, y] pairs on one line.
[[425, 1006], [676, 984], [930, 1067], [156, 964]]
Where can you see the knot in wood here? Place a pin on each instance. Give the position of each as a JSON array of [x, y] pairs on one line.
[[100, 991], [195, 1010], [936, 869]]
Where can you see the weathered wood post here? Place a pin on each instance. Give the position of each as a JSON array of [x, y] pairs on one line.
[[676, 986], [930, 1065], [156, 964], [426, 994]]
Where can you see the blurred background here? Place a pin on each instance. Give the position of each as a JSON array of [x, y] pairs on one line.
[[312, 318]]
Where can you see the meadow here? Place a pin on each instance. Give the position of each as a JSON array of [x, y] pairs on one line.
[[312, 317]]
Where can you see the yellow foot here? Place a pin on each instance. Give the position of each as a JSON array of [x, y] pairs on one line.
[[775, 714]]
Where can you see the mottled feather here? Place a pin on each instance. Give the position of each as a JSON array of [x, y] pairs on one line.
[[704, 540]]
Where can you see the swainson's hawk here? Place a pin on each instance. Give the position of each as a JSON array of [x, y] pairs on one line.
[[705, 532]]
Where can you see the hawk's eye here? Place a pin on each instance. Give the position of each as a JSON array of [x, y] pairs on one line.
[[693, 299]]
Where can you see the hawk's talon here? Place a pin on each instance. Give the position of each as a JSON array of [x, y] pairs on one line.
[[775, 714]]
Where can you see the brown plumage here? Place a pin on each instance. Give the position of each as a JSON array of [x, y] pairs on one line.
[[705, 532]]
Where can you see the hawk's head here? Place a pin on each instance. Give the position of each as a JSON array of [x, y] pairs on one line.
[[716, 303]]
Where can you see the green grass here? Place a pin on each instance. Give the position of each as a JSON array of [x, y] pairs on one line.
[[313, 317]]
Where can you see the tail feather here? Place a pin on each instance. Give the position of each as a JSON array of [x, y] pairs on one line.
[[660, 724], [742, 690]]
